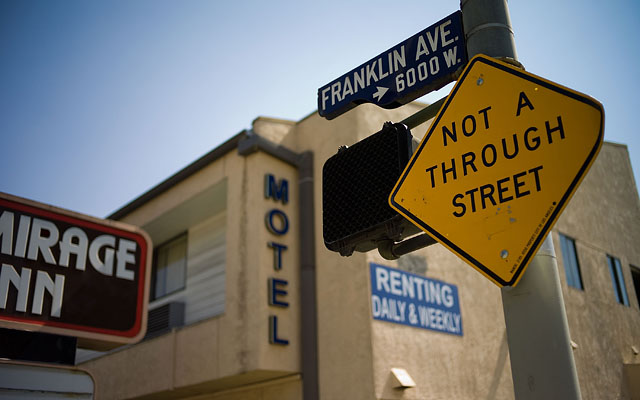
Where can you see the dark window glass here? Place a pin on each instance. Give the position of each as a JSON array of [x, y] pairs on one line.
[[619, 289], [635, 276], [570, 261], [169, 274]]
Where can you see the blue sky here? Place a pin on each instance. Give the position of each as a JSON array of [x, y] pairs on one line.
[[101, 101]]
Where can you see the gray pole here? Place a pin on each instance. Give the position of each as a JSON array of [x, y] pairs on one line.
[[542, 363]]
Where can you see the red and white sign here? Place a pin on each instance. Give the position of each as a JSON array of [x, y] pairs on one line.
[[70, 274]]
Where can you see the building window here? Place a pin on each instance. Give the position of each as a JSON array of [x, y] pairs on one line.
[[169, 274], [617, 279], [570, 261], [635, 276]]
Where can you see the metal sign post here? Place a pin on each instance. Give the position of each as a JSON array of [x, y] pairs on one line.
[[542, 364], [490, 178]]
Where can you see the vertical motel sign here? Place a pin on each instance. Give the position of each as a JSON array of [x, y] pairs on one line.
[[422, 63]]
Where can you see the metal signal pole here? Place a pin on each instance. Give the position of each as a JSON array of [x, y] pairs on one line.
[[542, 363]]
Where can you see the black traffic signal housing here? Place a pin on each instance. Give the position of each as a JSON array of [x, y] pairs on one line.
[[356, 183]]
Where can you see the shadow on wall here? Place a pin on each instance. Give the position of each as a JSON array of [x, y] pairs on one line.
[[497, 371]]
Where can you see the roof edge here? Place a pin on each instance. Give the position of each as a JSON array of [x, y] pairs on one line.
[[179, 176]]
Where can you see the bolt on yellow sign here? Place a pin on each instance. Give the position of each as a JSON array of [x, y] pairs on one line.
[[498, 165]]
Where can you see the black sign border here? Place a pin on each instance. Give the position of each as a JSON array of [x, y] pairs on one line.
[[561, 204]]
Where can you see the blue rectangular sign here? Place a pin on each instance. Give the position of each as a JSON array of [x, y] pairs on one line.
[[409, 299], [426, 61]]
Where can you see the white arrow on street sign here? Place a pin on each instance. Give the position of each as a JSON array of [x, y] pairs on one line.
[[380, 93]]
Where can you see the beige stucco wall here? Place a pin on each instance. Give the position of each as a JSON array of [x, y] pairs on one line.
[[603, 217], [233, 349], [345, 338], [288, 388], [472, 366], [475, 365], [229, 356], [250, 261], [356, 353]]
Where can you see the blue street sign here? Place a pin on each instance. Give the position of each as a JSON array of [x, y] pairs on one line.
[[424, 62], [408, 299]]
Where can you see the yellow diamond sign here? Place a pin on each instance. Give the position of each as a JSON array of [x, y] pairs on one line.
[[498, 165]]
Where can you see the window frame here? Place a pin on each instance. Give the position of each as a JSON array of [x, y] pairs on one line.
[[153, 295], [635, 280], [617, 280], [571, 262]]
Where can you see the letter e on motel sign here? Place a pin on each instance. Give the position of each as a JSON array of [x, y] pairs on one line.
[[498, 165], [70, 274]]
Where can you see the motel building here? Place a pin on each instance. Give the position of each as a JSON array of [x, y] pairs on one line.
[[246, 302]]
